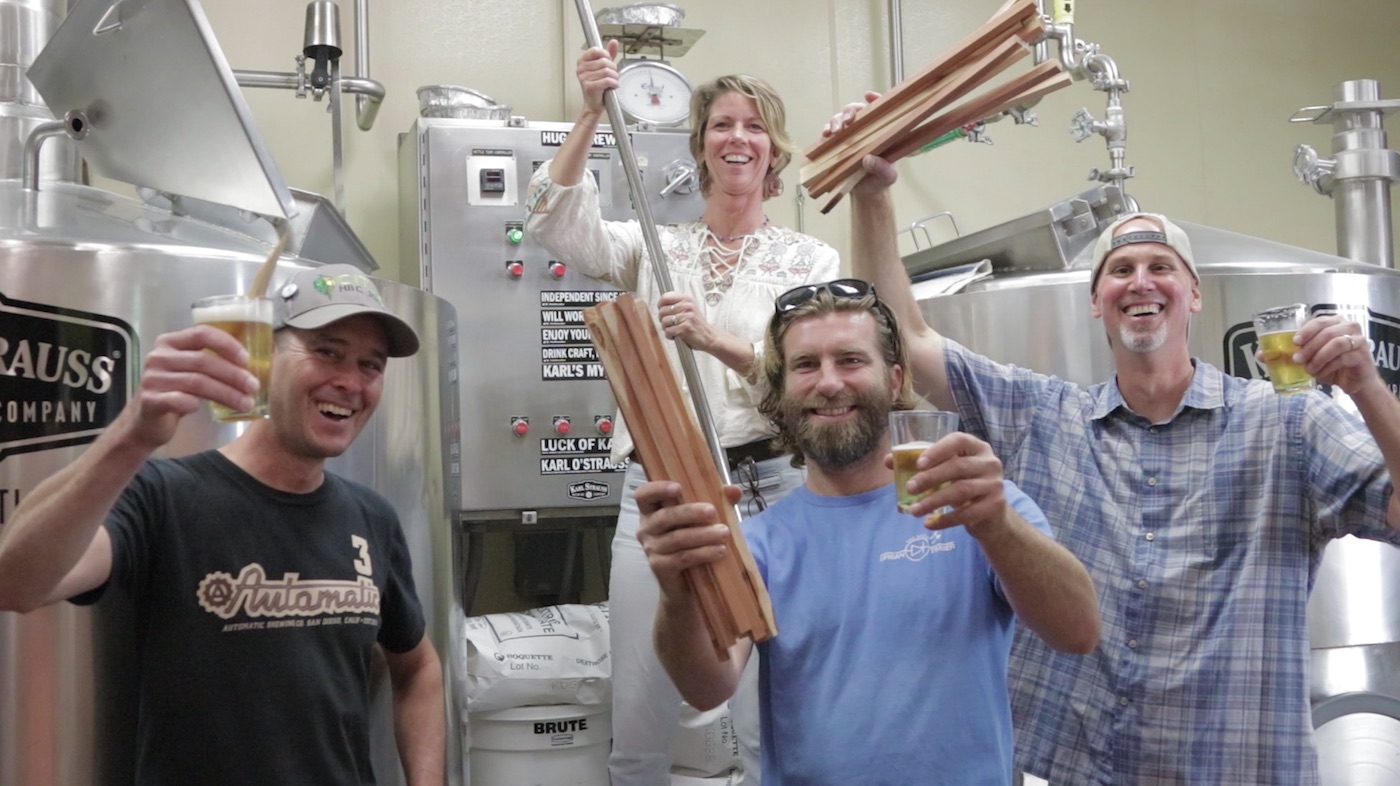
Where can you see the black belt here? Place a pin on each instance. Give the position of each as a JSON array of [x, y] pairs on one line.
[[761, 450]]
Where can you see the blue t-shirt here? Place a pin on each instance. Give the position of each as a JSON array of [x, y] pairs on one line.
[[890, 662]]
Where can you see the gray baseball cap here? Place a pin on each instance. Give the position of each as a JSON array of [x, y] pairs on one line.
[[1171, 236], [318, 296]]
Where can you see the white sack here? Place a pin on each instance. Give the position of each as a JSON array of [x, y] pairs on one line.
[[732, 778], [706, 743], [549, 655]]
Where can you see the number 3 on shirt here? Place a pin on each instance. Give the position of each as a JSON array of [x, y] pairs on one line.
[[362, 565]]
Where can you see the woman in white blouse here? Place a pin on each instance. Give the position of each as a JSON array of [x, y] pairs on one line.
[[727, 268]]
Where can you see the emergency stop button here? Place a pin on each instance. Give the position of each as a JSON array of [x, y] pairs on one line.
[[520, 426]]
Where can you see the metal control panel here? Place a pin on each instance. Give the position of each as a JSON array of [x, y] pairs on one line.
[[536, 410]]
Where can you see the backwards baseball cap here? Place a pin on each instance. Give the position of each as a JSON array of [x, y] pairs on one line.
[[318, 296], [1170, 235]]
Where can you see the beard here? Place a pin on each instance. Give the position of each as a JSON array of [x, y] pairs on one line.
[[837, 446], [1144, 342]]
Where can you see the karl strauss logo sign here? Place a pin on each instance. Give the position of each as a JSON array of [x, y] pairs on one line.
[[64, 375]]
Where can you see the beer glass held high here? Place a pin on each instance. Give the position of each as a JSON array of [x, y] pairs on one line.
[[911, 433], [249, 320], [1275, 328]]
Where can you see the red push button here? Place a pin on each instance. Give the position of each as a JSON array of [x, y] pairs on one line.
[[557, 269], [520, 426], [515, 268]]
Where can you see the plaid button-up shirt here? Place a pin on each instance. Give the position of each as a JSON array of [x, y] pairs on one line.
[[1203, 535]]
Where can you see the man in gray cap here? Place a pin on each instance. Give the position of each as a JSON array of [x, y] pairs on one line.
[[1200, 503], [262, 583]]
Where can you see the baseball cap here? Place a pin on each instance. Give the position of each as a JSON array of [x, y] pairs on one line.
[[318, 296], [1171, 236]]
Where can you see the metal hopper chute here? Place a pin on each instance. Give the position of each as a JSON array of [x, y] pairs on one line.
[[145, 90]]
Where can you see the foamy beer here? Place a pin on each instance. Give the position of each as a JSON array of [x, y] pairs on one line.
[[911, 433], [249, 320], [1275, 328]]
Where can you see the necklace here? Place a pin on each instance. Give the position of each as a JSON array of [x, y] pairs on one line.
[[731, 239]]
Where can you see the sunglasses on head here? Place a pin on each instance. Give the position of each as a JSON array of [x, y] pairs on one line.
[[853, 288]]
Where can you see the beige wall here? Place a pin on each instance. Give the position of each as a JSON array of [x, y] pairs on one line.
[[1213, 84]]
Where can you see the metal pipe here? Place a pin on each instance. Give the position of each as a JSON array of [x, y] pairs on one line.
[[653, 243], [366, 101], [1363, 233], [283, 80], [1361, 187], [1042, 46], [32, 144], [366, 90], [896, 43]]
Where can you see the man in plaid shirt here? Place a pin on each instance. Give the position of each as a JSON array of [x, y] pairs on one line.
[[1200, 503]]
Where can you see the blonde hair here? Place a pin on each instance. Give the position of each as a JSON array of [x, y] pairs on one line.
[[770, 108]]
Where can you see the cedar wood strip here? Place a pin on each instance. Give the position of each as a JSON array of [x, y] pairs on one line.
[[729, 573], [750, 606], [846, 159], [682, 456], [911, 112], [997, 27], [749, 598], [1040, 81], [983, 64], [732, 597], [616, 343], [1038, 89]]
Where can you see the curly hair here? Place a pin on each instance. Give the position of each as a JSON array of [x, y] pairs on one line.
[[823, 302], [770, 108]]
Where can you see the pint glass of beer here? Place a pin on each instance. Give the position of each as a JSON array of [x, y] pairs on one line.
[[249, 320], [1275, 328], [912, 431]]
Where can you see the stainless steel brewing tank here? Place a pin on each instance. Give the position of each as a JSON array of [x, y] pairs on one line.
[[88, 280], [1041, 320]]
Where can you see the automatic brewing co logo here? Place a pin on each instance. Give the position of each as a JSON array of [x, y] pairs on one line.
[[1383, 330], [66, 374]]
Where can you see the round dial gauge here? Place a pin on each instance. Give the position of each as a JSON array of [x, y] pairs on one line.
[[653, 92]]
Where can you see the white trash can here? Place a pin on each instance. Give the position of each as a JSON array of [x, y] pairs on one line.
[[554, 745]]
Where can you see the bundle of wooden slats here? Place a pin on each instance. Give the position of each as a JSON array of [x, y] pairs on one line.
[[925, 106], [732, 597]]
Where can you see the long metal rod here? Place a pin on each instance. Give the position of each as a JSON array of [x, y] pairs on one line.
[[365, 108], [896, 44], [653, 241]]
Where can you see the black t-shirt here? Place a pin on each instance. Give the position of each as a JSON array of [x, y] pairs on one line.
[[257, 614]]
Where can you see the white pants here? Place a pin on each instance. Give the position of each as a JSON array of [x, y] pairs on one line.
[[646, 706]]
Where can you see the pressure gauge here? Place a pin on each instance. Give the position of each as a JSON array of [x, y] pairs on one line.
[[653, 92]]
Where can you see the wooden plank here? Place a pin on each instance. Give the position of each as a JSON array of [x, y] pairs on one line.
[[960, 117], [989, 63], [730, 593], [1001, 24], [995, 61], [914, 110], [1039, 81]]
